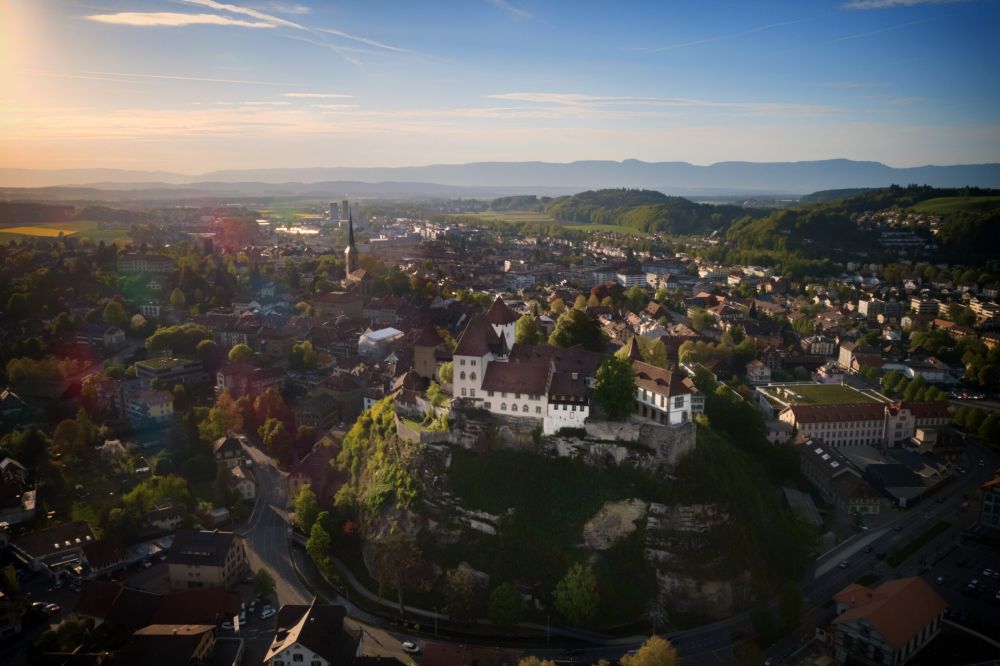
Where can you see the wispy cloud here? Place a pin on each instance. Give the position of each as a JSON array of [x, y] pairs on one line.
[[133, 77], [579, 100], [317, 95], [511, 9], [719, 38], [888, 4], [173, 20], [283, 7], [334, 107], [869, 33], [248, 17], [849, 85]]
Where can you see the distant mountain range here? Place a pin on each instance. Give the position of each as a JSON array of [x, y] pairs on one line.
[[498, 178]]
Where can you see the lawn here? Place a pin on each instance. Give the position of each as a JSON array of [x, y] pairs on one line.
[[828, 394], [944, 205], [79, 228]]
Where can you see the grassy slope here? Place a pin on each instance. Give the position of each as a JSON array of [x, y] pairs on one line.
[[944, 205]]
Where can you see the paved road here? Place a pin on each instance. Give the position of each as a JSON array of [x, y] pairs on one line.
[[268, 528]]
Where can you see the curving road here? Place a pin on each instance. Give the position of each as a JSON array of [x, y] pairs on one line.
[[268, 528]]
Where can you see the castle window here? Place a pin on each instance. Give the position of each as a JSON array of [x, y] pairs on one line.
[[472, 376], [517, 395], [463, 391], [462, 376], [487, 405], [538, 410], [490, 393], [503, 406], [524, 408], [472, 362], [514, 407]]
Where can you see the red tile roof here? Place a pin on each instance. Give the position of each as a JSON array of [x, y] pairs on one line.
[[499, 314], [897, 609]]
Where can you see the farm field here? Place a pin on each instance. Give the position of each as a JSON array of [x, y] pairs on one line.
[[80, 228], [521, 216], [942, 205], [511, 216]]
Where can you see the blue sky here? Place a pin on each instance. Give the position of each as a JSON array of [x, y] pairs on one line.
[[196, 85]]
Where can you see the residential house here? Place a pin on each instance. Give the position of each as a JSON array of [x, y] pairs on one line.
[[758, 372], [373, 346], [837, 480], [139, 262], [228, 450], [242, 482], [54, 549], [666, 396], [989, 512], [206, 559], [170, 644], [314, 635]]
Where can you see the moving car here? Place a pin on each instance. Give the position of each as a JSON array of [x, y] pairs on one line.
[[844, 564], [410, 647]]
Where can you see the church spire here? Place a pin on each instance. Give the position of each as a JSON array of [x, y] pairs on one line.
[[350, 252]]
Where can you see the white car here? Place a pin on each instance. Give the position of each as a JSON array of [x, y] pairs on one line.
[[227, 625], [266, 613], [410, 647]]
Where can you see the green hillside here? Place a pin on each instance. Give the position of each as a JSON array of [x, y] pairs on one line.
[[946, 205]]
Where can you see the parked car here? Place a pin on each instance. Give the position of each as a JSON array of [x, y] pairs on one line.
[[52, 609], [266, 613], [939, 580], [227, 625], [844, 564], [410, 647]]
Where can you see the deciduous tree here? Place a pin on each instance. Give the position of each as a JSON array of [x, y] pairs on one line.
[[576, 595], [614, 388]]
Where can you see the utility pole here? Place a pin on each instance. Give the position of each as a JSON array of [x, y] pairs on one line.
[[548, 628]]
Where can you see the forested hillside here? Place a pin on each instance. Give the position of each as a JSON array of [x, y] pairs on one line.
[[644, 210]]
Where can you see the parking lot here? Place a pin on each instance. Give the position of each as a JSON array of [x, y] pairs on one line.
[[978, 609]]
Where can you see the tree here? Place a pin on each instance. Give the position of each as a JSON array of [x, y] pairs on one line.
[[654, 652], [270, 405], [527, 331], [701, 319], [276, 439], [447, 372], [241, 353], [397, 558], [223, 418], [576, 595], [177, 298], [580, 303], [303, 357], [614, 388], [574, 327], [989, 429], [506, 606], [790, 604], [306, 508], [535, 661], [208, 354], [114, 315], [460, 595], [263, 583], [319, 545]]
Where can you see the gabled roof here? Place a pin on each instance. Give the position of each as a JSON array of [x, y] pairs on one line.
[[320, 628], [227, 444], [633, 352], [500, 315], [658, 380], [898, 609], [478, 338], [530, 377]]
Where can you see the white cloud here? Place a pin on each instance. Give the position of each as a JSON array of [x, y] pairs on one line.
[[246, 11], [511, 9], [888, 4], [334, 107], [578, 100], [317, 95], [172, 20]]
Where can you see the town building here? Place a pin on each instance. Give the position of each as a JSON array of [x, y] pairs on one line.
[[989, 512], [169, 371], [313, 635], [888, 625], [206, 559], [155, 264]]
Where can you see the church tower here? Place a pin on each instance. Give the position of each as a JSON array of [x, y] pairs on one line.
[[350, 252]]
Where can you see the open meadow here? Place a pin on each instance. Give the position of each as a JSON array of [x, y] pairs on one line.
[[79, 228]]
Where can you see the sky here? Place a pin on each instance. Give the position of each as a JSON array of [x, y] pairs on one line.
[[192, 86]]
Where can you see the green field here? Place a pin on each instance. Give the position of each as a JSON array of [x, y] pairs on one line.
[[823, 394], [943, 205], [514, 216], [534, 217], [610, 228], [79, 228]]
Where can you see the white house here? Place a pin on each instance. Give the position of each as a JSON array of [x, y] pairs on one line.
[[374, 345], [313, 635], [547, 384], [666, 396]]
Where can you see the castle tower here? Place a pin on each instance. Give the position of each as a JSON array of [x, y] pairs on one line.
[[502, 319], [350, 252]]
